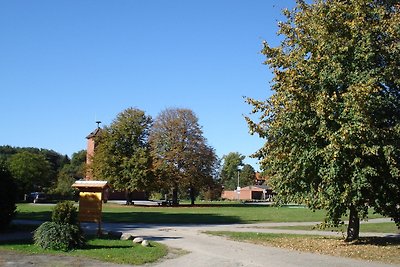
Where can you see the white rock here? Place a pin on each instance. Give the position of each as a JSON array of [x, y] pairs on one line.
[[138, 240], [127, 236], [145, 243]]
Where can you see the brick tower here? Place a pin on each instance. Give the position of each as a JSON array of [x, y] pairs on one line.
[[91, 146]]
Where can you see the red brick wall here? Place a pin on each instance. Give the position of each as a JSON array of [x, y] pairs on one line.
[[89, 157], [232, 195]]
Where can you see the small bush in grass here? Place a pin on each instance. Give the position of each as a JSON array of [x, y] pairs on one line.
[[65, 212], [59, 236], [64, 232]]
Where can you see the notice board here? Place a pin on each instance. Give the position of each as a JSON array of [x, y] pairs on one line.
[[90, 206]]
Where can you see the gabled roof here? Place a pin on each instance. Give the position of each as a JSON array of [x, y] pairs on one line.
[[92, 184]]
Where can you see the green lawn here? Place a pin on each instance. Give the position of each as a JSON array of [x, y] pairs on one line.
[[207, 214], [116, 251]]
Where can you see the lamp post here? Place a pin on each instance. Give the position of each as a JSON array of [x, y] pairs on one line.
[[238, 186]]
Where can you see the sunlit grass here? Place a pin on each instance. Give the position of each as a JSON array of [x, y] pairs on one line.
[[368, 248], [107, 250], [210, 214]]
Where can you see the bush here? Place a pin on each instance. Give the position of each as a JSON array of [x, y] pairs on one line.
[[64, 232], [58, 236], [8, 196], [65, 213]]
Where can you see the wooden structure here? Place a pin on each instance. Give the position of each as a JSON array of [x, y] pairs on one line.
[[90, 201]]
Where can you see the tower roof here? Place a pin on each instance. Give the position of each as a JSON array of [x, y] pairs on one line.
[[96, 132]]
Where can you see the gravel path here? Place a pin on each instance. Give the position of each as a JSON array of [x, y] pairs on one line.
[[205, 250]]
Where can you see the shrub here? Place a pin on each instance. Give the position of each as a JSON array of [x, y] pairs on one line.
[[58, 236], [8, 196], [65, 213], [64, 232]]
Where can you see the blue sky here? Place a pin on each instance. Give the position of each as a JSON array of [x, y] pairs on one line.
[[66, 64]]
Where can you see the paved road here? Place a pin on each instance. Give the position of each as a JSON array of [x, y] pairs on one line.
[[208, 250]]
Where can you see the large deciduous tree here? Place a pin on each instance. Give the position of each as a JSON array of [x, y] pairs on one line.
[[122, 155], [182, 158], [332, 125]]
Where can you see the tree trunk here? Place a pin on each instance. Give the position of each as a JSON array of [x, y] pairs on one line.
[[353, 229], [192, 196], [128, 197], [175, 196]]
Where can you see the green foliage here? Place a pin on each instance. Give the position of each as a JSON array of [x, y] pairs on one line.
[[182, 159], [69, 173], [122, 154], [65, 213], [56, 161], [63, 233], [229, 172], [247, 175], [212, 192], [332, 126], [64, 183], [58, 236], [8, 196], [31, 171]]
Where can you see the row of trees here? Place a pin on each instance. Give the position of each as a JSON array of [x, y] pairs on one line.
[[169, 154]]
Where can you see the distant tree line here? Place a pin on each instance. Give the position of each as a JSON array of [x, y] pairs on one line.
[[34, 169]]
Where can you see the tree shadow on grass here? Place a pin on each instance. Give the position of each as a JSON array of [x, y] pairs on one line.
[[35, 216], [16, 242], [393, 240], [169, 218]]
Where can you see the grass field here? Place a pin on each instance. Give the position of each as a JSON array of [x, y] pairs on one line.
[[209, 214], [107, 250], [368, 248]]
